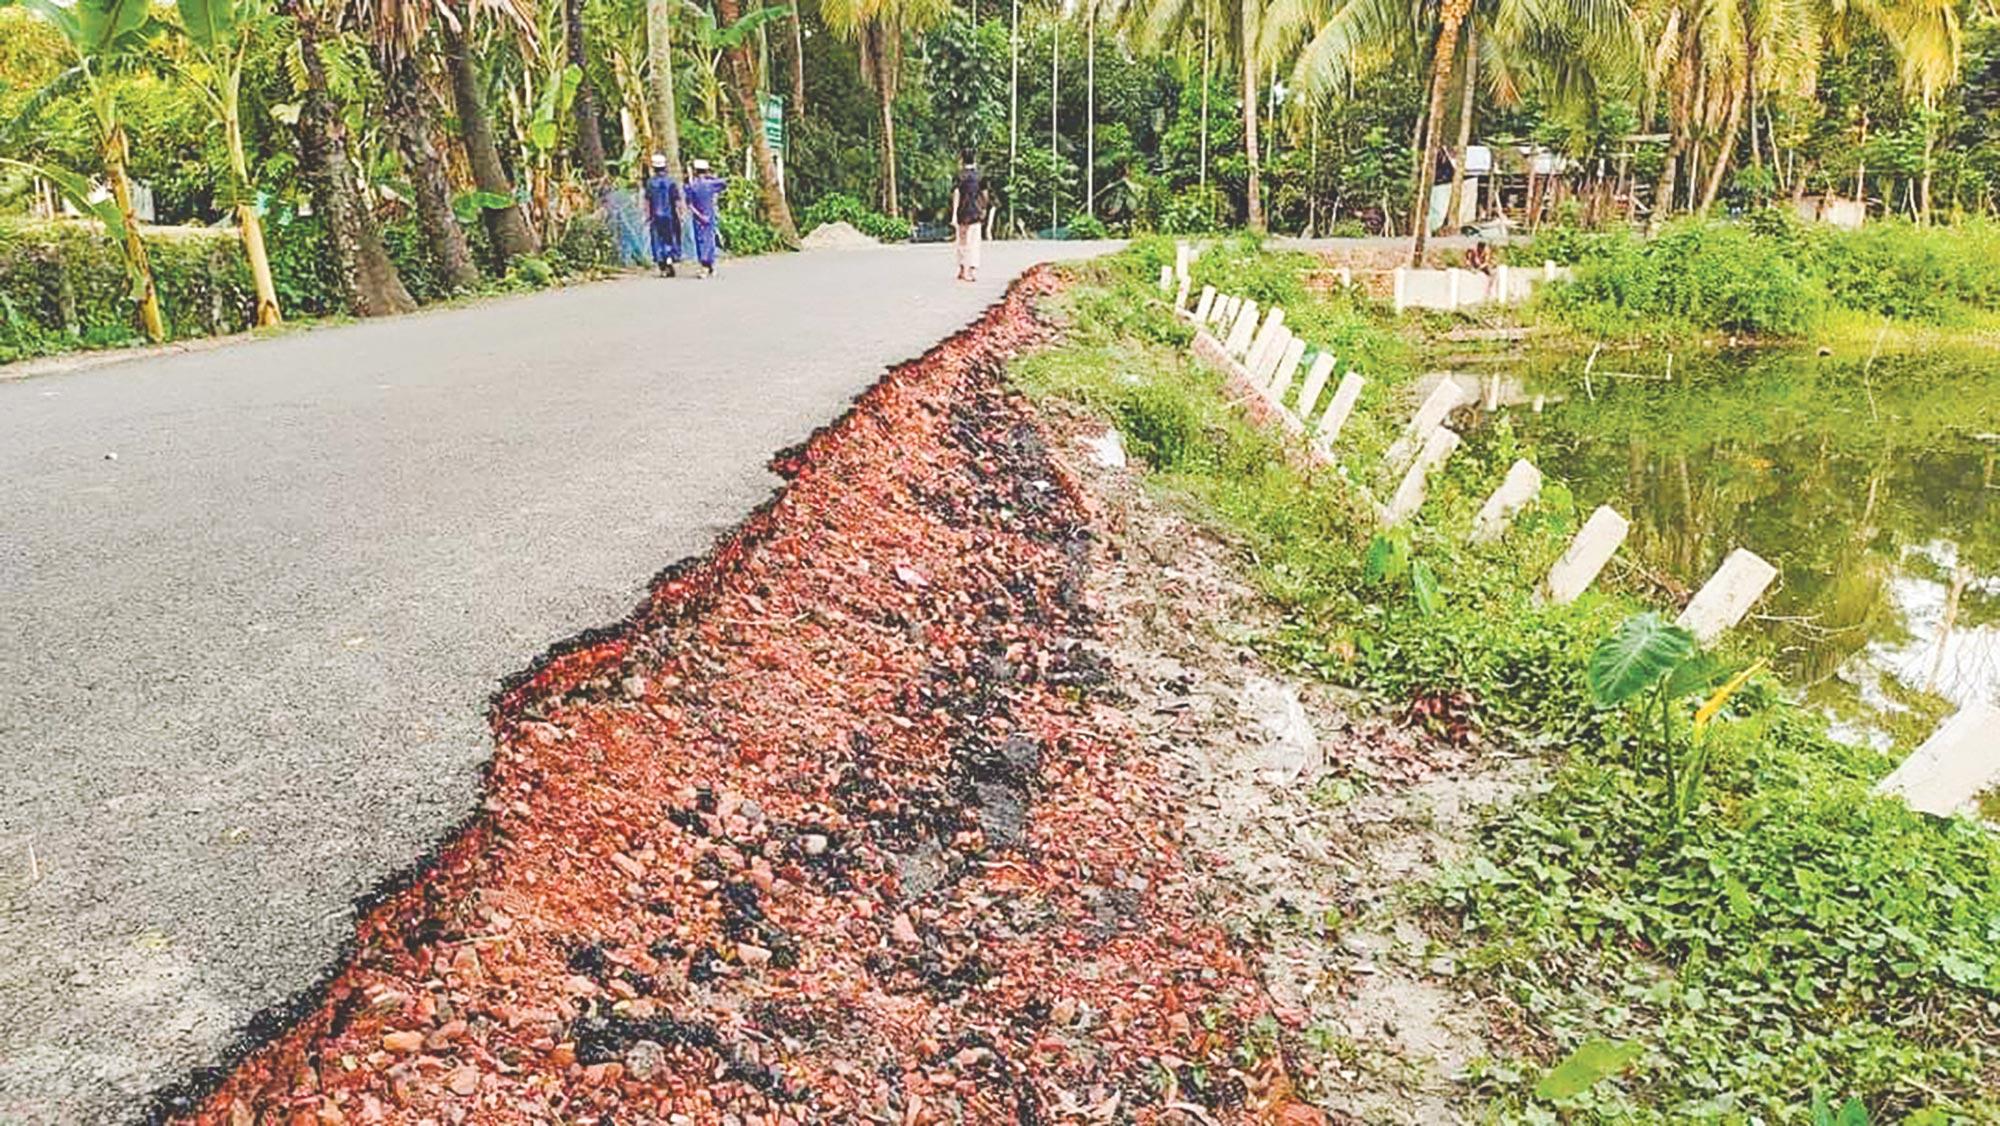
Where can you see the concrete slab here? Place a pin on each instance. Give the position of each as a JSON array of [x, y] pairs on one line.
[[1592, 548], [1727, 596], [1960, 761], [1522, 483]]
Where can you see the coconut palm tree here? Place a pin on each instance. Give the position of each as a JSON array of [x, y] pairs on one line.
[[396, 31], [740, 78], [512, 234], [1245, 41], [878, 28], [368, 282]]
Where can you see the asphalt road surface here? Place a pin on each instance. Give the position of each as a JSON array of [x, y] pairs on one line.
[[253, 601]]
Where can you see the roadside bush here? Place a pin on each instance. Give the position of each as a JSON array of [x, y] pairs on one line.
[[743, 233], [837, 207], [1087, 227], [63, 286], [585, 245], [1694, 275]]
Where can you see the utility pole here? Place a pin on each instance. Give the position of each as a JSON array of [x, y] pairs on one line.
[[1090, 112], [1013, 113], [1055, 99]]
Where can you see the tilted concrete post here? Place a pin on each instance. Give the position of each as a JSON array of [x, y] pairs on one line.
[[1322, 370], [1398, 277], [1238, 340], [1264, 341], [1337, 410], [1204, 306], [1436, 407], [1588, 553], [1960, 761], [1523, 481], [1410, 494], [1166, 278], [1727, 595], [1181, 295], [1288, 365]]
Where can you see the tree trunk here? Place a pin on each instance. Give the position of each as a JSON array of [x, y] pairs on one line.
[[891, 205], [512, 236], [1468, 85], [1663, 191], [409, 120], [148, 293], [1247, 48], [368, 281], [740, 76], [247, 223], [798, 65], [660, 80], [589, 134], [1725, 148], [1451, 21]]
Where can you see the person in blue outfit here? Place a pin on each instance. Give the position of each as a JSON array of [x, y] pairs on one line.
[[663, 215], [703, 192]]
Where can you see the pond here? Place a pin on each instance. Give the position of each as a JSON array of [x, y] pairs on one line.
[[1872, 484]]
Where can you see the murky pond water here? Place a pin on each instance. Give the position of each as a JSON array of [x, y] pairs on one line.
[[1873, 486]]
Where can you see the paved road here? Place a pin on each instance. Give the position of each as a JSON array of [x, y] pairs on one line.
[[244, 664]]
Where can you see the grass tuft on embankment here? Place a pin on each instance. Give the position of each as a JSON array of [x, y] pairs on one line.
[[1792, 935]]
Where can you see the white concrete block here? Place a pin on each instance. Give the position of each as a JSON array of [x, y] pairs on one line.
[[1955, 765], [1183, 255], [1204, 306], [1338, 408], [1410, 494], [1588, 553], [1322, 370], [1523, 481], [1266, 364], [1400, 277], [1287, 367], [1181, 294], [1267, 339], [1436, 407], [1166, 279], [1727, 595], [1241, 329]]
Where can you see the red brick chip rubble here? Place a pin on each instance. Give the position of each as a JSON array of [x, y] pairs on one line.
[[839, 827]]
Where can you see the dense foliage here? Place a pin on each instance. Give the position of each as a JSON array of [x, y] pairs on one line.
[[1770, 276]]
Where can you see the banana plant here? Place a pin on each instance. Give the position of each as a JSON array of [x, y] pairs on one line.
[[101, 35], [221, 32], [1656, 665]]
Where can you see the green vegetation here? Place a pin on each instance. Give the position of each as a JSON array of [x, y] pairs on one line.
[[1770, 276], [1788, 933], [472, 135]]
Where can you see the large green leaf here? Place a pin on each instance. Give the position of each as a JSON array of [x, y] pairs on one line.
[[1645, 648], [1593, 1060], [740, 30], [107, 25], [208, 22], [63, 18], [77, 190]]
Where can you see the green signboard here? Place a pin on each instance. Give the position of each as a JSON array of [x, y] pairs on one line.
[[774, 123]]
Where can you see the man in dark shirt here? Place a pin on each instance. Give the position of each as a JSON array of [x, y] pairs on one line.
[[968, 215]]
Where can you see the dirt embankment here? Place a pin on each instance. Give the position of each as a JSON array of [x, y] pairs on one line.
[[841, 827]]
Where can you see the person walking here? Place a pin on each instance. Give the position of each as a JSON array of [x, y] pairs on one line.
[[968, 216], [663, 215], [703, 191]]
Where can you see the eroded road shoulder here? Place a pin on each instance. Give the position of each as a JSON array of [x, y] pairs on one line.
[[840, 827]]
